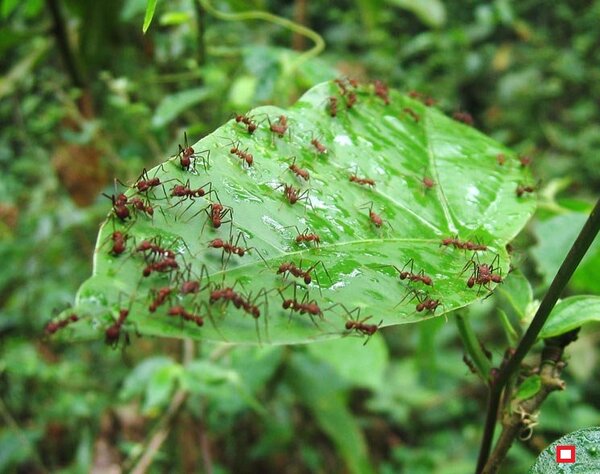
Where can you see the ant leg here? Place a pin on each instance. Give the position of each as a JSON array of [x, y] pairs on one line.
[[411, 291], [205, 161], [209, 215], [496, 260], [326, 272], [410, 262], [470, 263], [266, 309], [186, 209]]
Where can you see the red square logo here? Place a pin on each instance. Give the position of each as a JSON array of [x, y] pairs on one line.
[[565, 454]]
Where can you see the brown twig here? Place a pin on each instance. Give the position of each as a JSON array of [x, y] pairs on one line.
[[299, 41], [62, 40], [522, 417]]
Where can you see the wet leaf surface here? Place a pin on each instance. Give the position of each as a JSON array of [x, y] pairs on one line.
[[434, 178]]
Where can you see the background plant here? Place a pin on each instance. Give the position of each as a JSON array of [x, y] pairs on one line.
[[528, 77]]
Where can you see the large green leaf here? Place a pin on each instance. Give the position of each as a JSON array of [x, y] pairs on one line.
[[571, 313], [397, 145], [554, 239]]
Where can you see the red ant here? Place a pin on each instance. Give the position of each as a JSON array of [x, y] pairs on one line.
[[427, 304], [362, 181], [525, 160], [184, 191], [424, 301], [500, 159], [464, 117], [189, 285], [162, 266], [469, 363], [293, 195], [341, 85], [113, 332], [382, 91], [415, 116], [244, 155], [307, 237], [322, 149], [302, 307], [428, 183], [358, 325], [332, 106], [247, 121], [483, 274], [428, 101], [187, 153], [466, 245], [454, 241], [139, 205], [144, 183], [120, 205], [216, 213], [344, 92], [280, 127], [160, 296], [351, 99], [54, 326], [302, 173], [155, 249], [239, 301], [411, 276], [522, 189], [119, 242], [229, 247], [375, 218], [185, 315], [292, 269]]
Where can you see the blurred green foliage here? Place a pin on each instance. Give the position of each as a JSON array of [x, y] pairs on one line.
[[528, 72]]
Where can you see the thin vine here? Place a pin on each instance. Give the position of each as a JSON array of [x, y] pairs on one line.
[[318, 47]]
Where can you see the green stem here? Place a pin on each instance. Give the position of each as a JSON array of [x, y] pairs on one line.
[[473, 348], [201, 24], [568, 267], [62, 40], [277, 20]]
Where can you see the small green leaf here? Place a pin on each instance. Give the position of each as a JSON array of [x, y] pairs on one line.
[[364, 371], [554, 237], [571, 313], [587, 454], [517, 292], [322, 393], [136, 382], [430, 12], [175, 18], [207, 378], [173, 105], [509, 331], [159, 388], [530, 386], [150, 8]]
